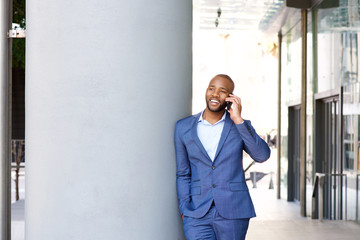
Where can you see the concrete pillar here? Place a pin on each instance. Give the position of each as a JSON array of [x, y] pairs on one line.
[[5, 184], [105, 83]]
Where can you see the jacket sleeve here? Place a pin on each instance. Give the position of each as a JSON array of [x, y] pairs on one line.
[[254, 145], [183, 171]]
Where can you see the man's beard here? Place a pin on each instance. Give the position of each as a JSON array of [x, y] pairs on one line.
[[219, 109]]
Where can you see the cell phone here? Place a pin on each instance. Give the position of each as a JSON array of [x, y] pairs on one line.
[[228, 105]]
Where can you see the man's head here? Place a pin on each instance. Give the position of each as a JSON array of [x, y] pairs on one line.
[[219, 88]]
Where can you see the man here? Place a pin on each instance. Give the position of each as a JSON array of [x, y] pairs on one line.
[[214, 199]]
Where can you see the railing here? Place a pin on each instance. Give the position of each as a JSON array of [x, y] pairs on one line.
[[345, 205], [319, 189]]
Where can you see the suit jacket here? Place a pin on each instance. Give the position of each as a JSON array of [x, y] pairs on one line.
[[201, 181]]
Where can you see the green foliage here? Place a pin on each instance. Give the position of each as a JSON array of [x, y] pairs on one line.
[[18, 53], [19, 12], [18, 44]]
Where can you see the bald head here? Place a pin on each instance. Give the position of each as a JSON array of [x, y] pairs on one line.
[[220, 87], [224, 76]]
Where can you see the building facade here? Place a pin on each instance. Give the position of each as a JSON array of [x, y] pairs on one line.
[[322, 75]]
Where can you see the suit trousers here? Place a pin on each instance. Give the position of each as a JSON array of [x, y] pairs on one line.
[[214, 227]]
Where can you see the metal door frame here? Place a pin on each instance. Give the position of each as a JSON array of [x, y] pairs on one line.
[[328, 162], [294, 138]]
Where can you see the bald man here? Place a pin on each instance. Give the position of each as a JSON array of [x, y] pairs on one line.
[[214, 200]]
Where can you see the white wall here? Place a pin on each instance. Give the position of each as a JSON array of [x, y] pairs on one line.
[[241, 55], [105, 83]]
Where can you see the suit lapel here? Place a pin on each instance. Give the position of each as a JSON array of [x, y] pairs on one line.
[[224, 134], [196, 137]]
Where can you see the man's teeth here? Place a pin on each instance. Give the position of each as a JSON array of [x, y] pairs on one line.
[[214, 101]]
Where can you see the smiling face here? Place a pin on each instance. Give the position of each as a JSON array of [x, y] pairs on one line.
[[219, 88]]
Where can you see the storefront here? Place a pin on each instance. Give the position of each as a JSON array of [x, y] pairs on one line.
[[332, 105]]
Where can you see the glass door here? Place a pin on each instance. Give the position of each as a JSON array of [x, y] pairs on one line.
[[328, 147], [294, 154]]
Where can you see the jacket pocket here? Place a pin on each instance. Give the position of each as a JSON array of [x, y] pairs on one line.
[[195, 191], [238, 186]]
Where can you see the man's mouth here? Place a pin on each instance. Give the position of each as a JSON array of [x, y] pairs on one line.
[[214, 102]]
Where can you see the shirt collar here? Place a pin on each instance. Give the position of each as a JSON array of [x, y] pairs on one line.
[[202, 120]]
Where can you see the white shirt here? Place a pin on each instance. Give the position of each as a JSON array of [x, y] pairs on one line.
[[209, 134]]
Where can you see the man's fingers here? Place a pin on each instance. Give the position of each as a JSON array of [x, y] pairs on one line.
[[236, 100], [229, 99]]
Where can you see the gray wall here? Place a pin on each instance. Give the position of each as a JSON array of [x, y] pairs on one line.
[[105, 83], [5, 196]]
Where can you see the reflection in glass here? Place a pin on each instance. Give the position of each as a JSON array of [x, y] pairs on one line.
[[351, 126], [338, 27]]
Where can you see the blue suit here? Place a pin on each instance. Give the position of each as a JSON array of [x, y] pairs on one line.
[[200, 181]]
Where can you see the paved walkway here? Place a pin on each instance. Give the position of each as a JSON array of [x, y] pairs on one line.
[[276, 220], [17, 220], [280, 220]]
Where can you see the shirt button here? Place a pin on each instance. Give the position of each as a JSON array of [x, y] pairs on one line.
[[213, 167], [214, 186]]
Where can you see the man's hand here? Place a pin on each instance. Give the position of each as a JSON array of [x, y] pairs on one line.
[[235, 110]]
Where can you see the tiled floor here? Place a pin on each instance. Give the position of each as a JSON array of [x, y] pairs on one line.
[[280, 220], [17, 220], [276, 220]]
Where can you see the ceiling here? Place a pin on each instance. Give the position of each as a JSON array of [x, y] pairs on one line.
[[235, 14]]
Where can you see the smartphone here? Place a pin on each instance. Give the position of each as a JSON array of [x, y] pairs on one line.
[[228, 105]]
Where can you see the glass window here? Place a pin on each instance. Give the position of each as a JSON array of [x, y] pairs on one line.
[[338, 21], [291, 65], [351, 126], [290, 90], [309, 115]]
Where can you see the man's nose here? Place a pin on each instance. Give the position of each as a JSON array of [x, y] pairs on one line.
[[215, 93]]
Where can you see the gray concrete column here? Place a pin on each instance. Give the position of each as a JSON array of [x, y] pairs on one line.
[[5, 184], [105, 83]]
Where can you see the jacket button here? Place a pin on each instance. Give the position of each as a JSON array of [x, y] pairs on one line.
[[214, 186], [213, 167]]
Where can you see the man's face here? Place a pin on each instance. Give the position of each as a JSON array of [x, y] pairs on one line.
[[219, 88]]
